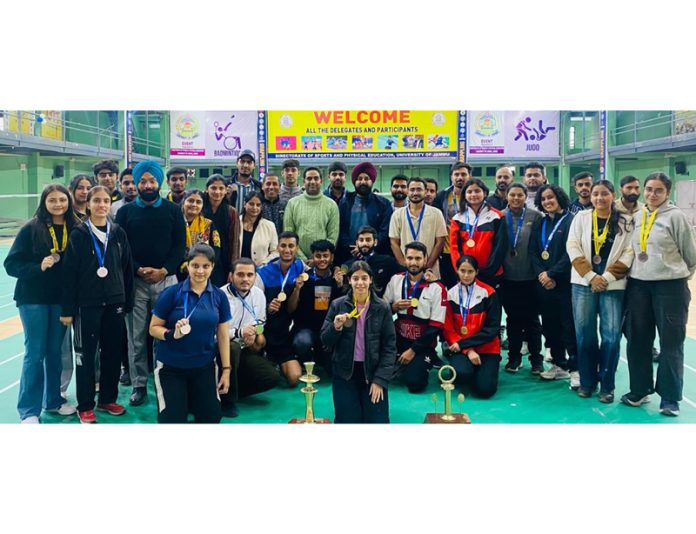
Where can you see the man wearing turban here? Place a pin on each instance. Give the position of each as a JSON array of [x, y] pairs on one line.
[[361, 208], [157, 235]]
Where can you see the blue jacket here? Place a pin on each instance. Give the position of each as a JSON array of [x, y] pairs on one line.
[[379, 212]]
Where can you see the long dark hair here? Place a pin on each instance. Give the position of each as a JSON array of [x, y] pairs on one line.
[[615, 215], [477, 182], [561, 197]]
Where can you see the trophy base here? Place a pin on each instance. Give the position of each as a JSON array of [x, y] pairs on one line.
[[301, 421], [436, 418]]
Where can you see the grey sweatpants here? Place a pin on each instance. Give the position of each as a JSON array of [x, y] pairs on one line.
[[138, 323]]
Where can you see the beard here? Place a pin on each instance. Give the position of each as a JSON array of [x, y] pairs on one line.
[[366, 251], [149, 194], [502, 187], [399, 196], [631, 198], [363, 190], [416, 270]]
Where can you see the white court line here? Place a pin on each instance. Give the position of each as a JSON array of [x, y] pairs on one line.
[[9, 387], [12, 358], [685, 399]]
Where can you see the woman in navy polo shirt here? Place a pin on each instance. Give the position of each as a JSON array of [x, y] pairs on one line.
[[186, 319]]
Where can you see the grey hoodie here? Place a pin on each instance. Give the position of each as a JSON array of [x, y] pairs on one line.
[[671, 246]]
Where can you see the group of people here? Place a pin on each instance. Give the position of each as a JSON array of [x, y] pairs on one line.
[[223, 292]]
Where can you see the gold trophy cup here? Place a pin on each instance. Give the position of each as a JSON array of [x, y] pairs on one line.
[[309, 378], [448, 386]]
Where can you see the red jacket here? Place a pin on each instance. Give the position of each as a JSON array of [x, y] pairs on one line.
[[482, 322], [490, 237]]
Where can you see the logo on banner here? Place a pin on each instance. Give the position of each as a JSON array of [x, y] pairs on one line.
[[487, 125], [187, 127], [223, 135], [438, 119], [531, 132]]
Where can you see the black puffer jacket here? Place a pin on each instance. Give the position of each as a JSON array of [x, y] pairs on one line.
[[380, 340], [82, 286]]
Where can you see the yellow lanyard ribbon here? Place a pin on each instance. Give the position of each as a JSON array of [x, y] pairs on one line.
[[645, 232], [355, 313], [599, 240], [197, 226], [64, 243]]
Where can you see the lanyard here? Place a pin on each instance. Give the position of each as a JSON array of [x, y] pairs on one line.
[[599, 240], [464, 312], [645, 232], [546, 242], [415, 232], [186, 314], [284, 281], [471, 228], [100, 256], [405, 291], [64, 243], [233, 291], [520, 223], [355, 313], [455, 207]]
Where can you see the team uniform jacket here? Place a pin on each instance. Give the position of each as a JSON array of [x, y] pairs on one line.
[[418, 327], [490, 237], [483, 319]]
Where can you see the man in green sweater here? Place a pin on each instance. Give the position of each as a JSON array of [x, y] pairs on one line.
[[312, 215]]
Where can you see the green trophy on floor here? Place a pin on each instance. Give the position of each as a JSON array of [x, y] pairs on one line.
[[309, 378], [448, 386]]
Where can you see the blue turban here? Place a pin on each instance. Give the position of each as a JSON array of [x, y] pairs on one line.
[[148, 166]]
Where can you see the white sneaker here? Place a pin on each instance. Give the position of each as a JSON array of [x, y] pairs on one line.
[[525, 349], [64, 409], [547, 356], [574, 379], [555, 373], [32, 419]]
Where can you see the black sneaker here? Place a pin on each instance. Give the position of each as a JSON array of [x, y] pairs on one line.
[[124, 379], [670, 408], [606, 397], [631, 399], [584, 393], [138, 396], [537, 368], [229, 410], [513, 365]]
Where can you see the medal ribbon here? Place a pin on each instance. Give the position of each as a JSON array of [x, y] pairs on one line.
[[546, 242], [233, 291], [462, 311], [284, 281], [514, 237], [355, 313], [645, 232], [64, 243], [415, 232], [186, 314], [599, 240], [406, 292], [471, 228], [100, 256]]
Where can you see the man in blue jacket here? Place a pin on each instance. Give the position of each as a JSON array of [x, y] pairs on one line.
[[362, 208]]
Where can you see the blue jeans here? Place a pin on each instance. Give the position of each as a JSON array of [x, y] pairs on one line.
[[597, 362], [42, 367]]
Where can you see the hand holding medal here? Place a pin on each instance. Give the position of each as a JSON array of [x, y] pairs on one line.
[[181, 328]]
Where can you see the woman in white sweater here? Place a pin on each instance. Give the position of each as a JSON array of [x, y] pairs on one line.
[[258, 238], [599, 247]]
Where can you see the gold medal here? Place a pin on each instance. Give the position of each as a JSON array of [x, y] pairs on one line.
[[545, 255], [304, 277], [282, 297], [345, 269], [414, 303], [470, 243], [464, 330]]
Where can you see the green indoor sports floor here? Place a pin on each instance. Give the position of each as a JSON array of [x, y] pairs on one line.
[[521, 397]]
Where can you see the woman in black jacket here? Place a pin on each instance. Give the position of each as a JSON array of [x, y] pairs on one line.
[[359, 330], [97, 294], [551, 264], [35, 260]]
